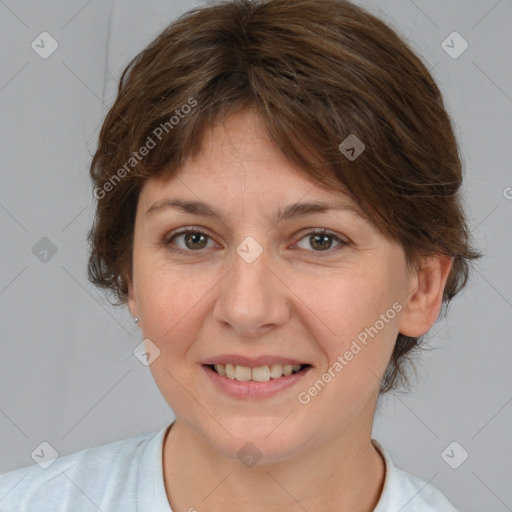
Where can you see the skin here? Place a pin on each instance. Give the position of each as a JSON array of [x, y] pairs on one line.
[[287, 302]]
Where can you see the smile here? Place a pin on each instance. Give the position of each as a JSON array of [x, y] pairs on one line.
[[256, 382], [257, 374]]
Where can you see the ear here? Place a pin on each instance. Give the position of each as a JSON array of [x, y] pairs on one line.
[[131, 300], [426, 295]]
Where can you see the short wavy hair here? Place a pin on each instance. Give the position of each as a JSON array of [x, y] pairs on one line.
[[315, 71]]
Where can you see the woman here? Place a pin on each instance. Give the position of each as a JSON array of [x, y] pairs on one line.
[[278, 206]]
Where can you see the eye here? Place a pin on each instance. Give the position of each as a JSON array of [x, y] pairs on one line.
[[191, 240], [194, 240], [320, 241]]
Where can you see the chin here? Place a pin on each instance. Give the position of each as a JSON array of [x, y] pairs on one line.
[[256, 440]]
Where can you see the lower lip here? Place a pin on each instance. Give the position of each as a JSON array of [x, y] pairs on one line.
[[252, 389]]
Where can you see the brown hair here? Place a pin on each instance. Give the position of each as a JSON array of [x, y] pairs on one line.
[[316, 71]]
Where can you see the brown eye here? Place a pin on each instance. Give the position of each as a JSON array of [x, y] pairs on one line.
[[195, 241], [189, 240], [320, 241]]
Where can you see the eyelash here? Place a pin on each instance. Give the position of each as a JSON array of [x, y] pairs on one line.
[[168, 241]]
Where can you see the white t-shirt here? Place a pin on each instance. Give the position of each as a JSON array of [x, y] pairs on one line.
[[127, 476]]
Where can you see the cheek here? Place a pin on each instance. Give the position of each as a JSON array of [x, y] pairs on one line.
[[170, 300], [358, 351], [361, 313], [349, 304]]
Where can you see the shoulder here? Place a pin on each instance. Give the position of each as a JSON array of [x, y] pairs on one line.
[[408, 493], [81, 479]]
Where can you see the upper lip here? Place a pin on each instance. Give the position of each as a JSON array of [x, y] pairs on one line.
[[252, 362]]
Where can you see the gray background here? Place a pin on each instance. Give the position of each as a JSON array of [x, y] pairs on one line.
[[67, 372]]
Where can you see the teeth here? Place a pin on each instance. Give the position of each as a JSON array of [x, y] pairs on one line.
[[288, 369], [258, 374], [230, 371], [242, 373], [261, 373], [276, 370]]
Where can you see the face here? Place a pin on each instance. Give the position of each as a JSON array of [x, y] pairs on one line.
[[249, 288]]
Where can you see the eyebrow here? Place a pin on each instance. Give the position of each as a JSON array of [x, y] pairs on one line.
[[288, 212]]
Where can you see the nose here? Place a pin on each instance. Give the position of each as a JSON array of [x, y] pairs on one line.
[[252, 300]]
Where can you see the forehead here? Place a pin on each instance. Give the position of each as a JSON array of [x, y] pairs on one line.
[[238, 160]]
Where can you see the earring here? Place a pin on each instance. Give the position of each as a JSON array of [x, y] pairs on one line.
[[136, 319]]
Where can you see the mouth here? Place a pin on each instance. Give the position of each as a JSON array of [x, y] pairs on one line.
[[262, 373], [244, 376], [254, 382]]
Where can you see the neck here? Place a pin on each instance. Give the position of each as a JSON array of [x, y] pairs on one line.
[[346, 473]]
